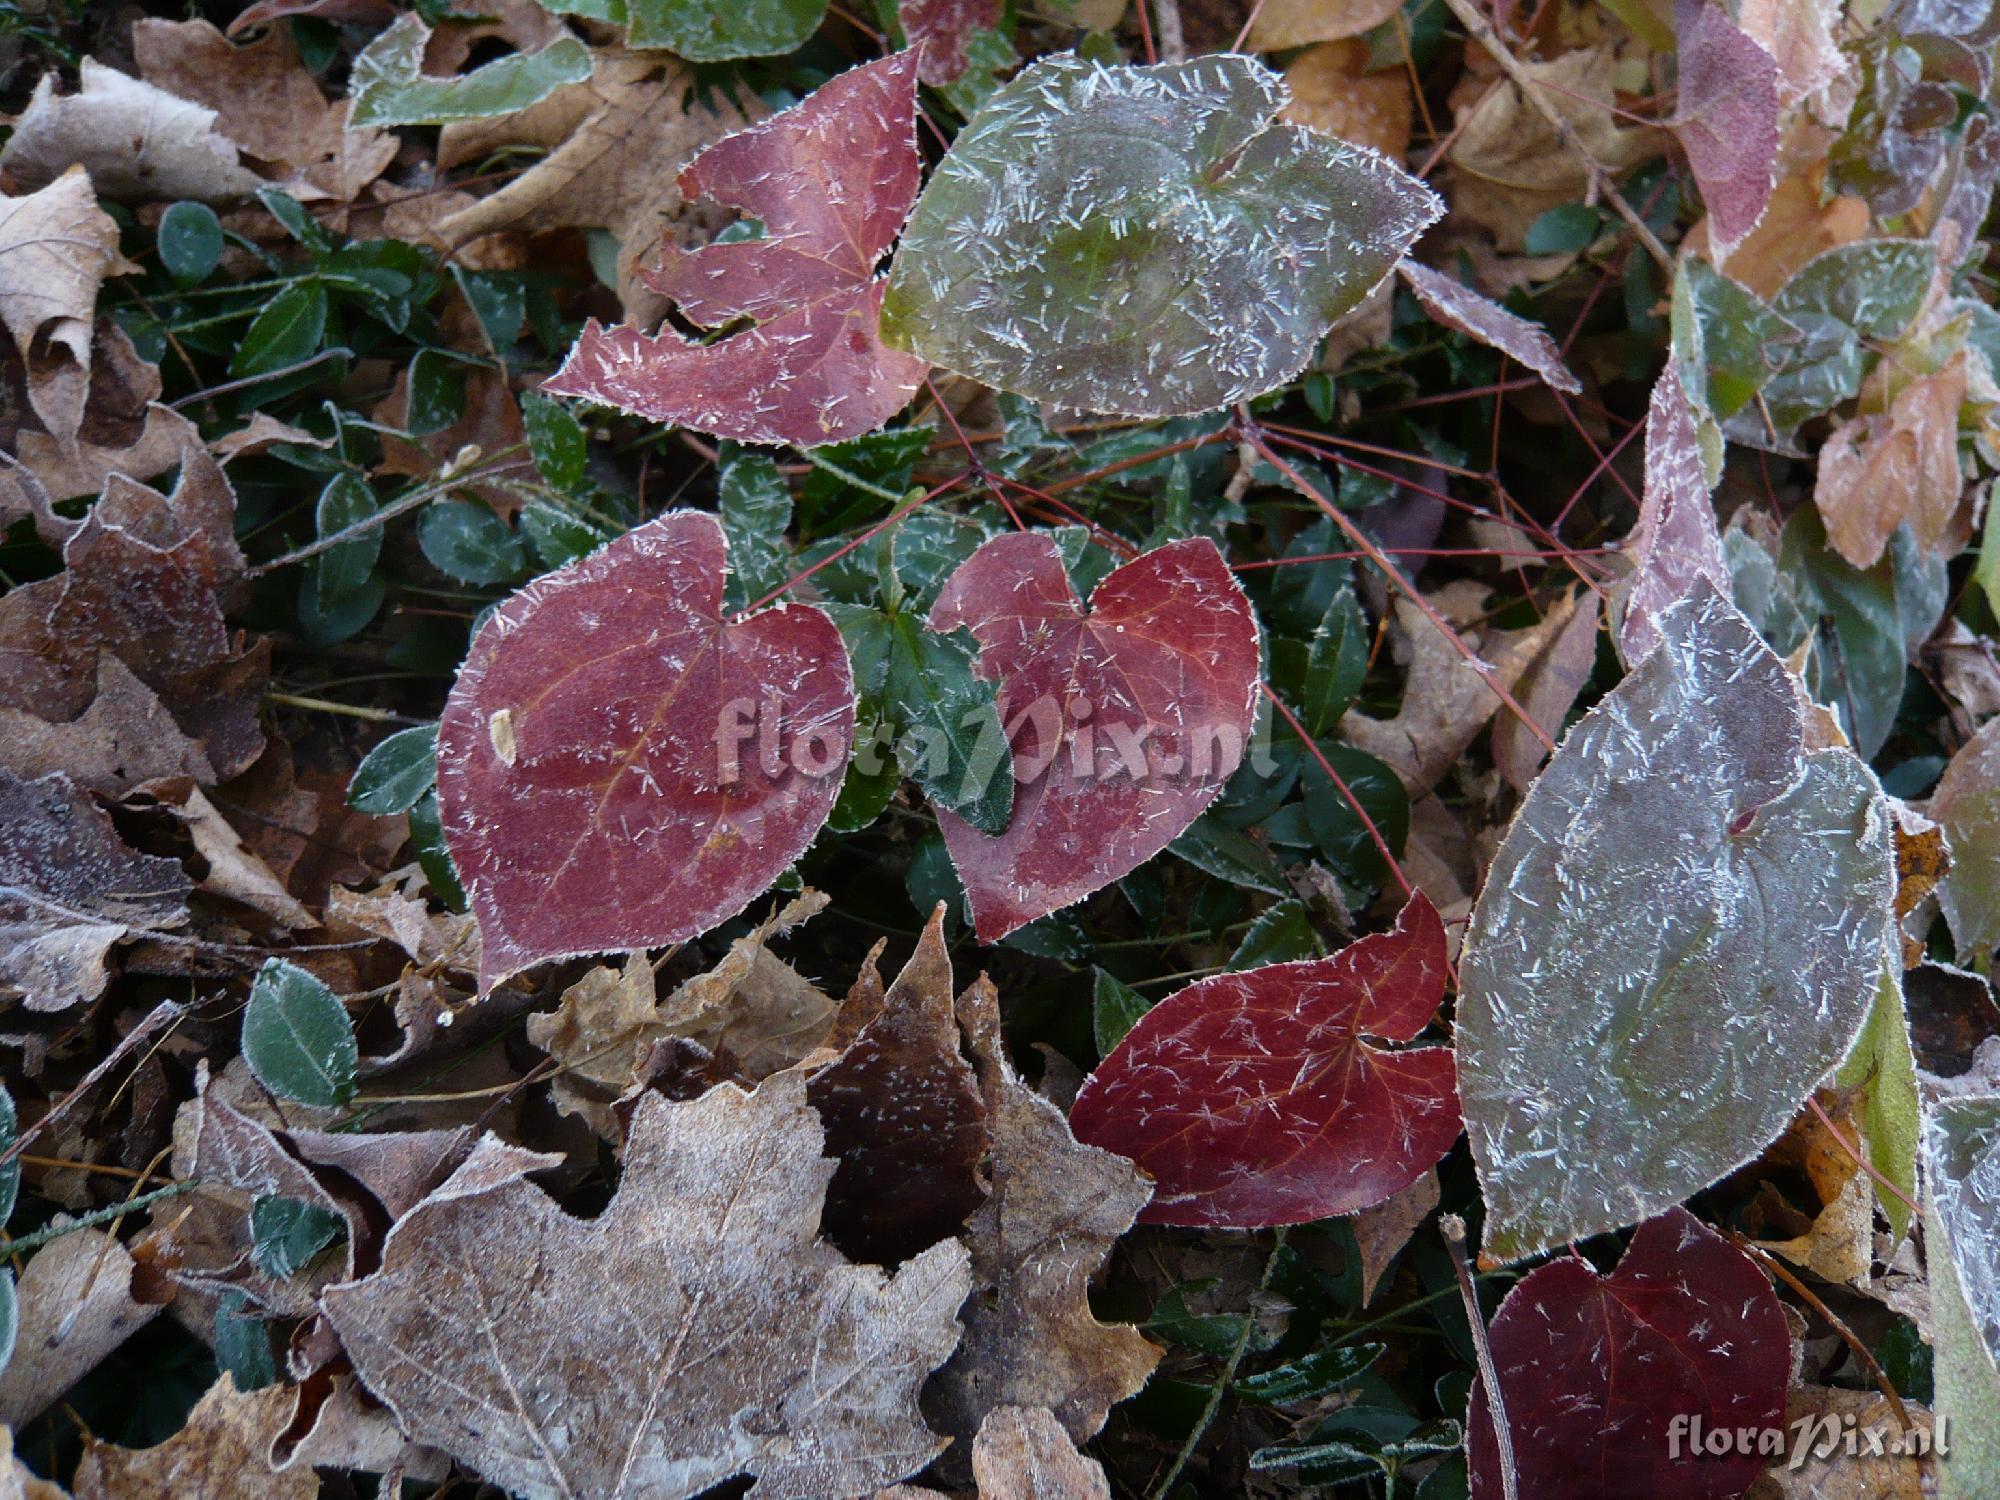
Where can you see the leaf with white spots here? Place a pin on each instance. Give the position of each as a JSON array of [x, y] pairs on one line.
[[1679, 938], [1144, 240], [1263, 1097], [831, 180], [620, 766]]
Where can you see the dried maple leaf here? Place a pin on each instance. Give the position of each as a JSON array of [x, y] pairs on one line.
[[904, 1115], [696, 1330], [222, 1452], [1257, 1098], [69, 890], [1126, 716], [597, 735], [1598, 1372], [1054, 1211], [1727, 122], [832, 180]]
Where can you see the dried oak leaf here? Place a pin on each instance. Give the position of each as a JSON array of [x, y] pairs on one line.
[[832, 179], [56, 248], [1258, 1098], [904, 1115], [1727, 122], [587, 746], [1126, 716], [616, 146], [125, 737], [222, 1452], [1595, 1370], [1880, 470], [698, 1329], [138, 142], [69, 890], [1054, 1210]]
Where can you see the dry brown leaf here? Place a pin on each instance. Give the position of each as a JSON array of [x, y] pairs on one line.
[[1797, 226], [1880, 470], [696, 1330], [1333, 95], [124, 429], [1799, 36], [1054, 1211], [1508, 165], [125, 737], [1548, 690], [1022, 1453], [17, 1481], [1300, 23], [600, 1033], [903, 1114], [1838, 1476], [260, 434], [1383, 1231], [753, 1005], [233, 871], [77, 1304], [347, 1430], [267, 103], [1445, 702], [619, 141], [433, 939], [137, 141], [220, 1453], [56, 248]]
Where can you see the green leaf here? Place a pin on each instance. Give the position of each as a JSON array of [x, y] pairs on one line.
[[718, 30], [1336, 661], [557, 536], [1874, 287], [1143, 240], [1115, 1008], [344, 568], [10, 1315], [756, 506], [1214, 848], [190, 242], [297, 1037], [1320, 1373], [1884, 1066], [1962, 1246], [388, 86], [1213, 1334], [243, 1343], [989, 52], [1986, 572], [286, 1233], [1566, 229], [1724, 329], [288, 330], [397, 772], [10, 1175], [330, 624], [1281, 935], [500, 302], [465, 540], [926, 546], [427, 838], [293, 218], [1342, 837], [437, 391], [611, 12], [555, 440]]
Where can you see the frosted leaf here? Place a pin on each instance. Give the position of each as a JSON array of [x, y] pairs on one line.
[[1459, 307], [1962, 1256], [718, 30], [832, 180], [620, 768], [1727, 123], [1144, 240], [389, 86], [1967, 803], [1125, 718], [1679, 938], [697, 1329], [941, 31], [1261, 1098], [1675, 543]]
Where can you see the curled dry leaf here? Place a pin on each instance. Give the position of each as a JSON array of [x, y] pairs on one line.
[[1674, 544], [567, 779], [1688, 906], [696, 1330], [832, 180], [78, 1302], [1548, 690], [1054, 1210], [1967, 806], [1459, 307], [754, 1006], [222, 1452], [69, 890], [1260, 1098], [137, 141], [1125, 716], [1596, 1371]]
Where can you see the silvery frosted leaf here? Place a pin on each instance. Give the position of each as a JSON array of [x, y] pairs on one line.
[[391, 88], [1962, 1250], [1674, 544], [1144, 240], [1679, 938]]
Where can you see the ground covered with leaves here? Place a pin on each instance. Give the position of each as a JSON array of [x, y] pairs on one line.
[[1008, 748]]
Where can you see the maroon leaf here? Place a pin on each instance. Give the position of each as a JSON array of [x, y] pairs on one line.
[[939, 30], [1603, 1375], [1258, 1098], [620, 768], [832, 179], [1125, 719], [1458, 306], [1728, 124], [1674, 543]]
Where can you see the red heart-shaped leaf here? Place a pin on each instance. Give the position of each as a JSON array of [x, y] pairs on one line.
[[619, 767], [1125, 718], [1606, 1377], [1257, 1098]]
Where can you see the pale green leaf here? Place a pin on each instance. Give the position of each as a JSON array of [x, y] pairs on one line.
[[388, 85]]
